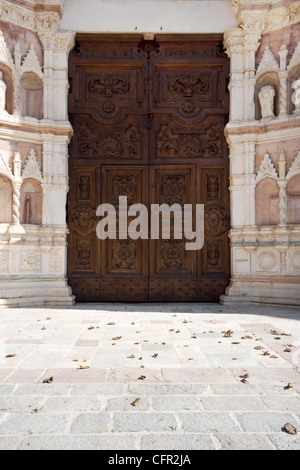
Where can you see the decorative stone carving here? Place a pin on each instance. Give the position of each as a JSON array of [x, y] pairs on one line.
[[296, 96], [31, 261], [31, 64], [31, 168], [283, 53], [268, 62], [3, 89], [266, 98], [295, 60], [17, 15], [16, 204], [295, 168], [4, 259], [267, 169], [4, 168], [5, 55]]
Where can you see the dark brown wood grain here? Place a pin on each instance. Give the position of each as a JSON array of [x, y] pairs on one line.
[[148, 120]]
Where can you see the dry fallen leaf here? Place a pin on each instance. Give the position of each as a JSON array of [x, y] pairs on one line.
[[9, 356], [288, 386], [131, 357], [142, 377], [35, 411], [235, 342], [259, 348], [290, 429], [83, 367], [247, 337], [43, 329], [117, 338], [235, 358], [48, 381], [277, 333], [244, 378], [287, 350], [135, 402], [155, 355], [91, 328], [273, 357], [111, 323], [227, 334], [266, 353]]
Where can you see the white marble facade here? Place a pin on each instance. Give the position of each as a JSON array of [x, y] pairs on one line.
[[262, 40]]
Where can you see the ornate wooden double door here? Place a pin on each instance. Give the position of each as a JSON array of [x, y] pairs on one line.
[[148, 119]]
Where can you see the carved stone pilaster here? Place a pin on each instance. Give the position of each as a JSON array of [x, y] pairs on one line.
[[282, 203], [16, 204]]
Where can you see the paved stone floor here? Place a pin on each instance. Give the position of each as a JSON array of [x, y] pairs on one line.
[[158, 377]]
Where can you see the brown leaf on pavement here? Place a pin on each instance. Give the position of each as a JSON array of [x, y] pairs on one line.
[[131, 357], [288, 386], [155, 355], [227, 334], [287, 350], [277, 333], [290, 429], [135, 402], [9, 356], [111, 323], [142, 377], [48, 381], [83, 367], [117, 338]]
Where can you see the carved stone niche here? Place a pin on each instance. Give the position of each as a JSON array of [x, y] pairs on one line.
[[31, 96], [7, 78], [267, 202], [293, 200], [269, 79], [6, 193], [294, 90], [31, 202]]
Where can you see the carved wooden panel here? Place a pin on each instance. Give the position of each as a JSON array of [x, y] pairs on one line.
[[148, 120]]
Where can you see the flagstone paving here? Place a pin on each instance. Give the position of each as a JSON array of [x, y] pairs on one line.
[[149, 377]]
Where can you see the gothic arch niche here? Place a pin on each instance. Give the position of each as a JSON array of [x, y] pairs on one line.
[[31, 202], [293, 198], [267, 79], [294, 75], [7, 77], [6, 193], [267, 202], [31, 96]]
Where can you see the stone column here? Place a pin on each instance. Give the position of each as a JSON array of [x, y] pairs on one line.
[[283, 76], [252, 41], [234, 46]]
